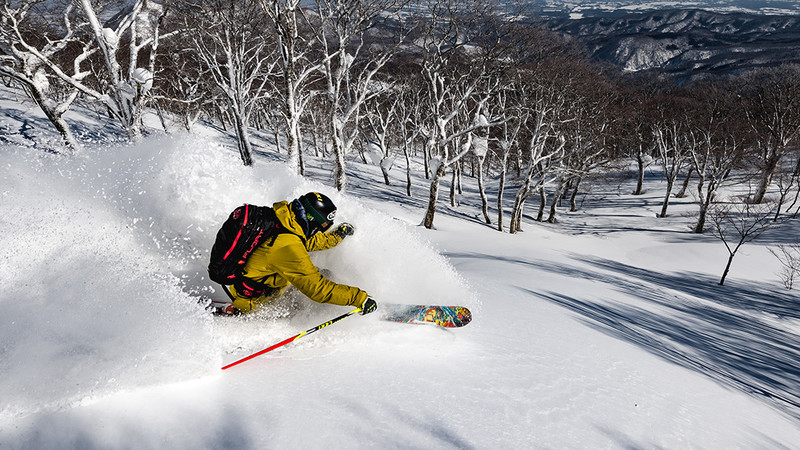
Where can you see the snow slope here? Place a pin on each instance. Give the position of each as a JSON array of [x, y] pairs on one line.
[[606, 330]]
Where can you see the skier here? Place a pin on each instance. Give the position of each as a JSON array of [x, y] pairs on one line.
[[283, 259]]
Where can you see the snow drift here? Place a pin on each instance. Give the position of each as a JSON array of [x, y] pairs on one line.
[[104, 261]]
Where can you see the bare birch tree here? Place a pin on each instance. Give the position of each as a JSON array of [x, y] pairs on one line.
[[772, 103], [508, 135], [526, 51], [120, 84], [380, 115], [349, 68], [295, 43], [718, 140], [408, 115], [736, 224], [583, 127], [672, 139], [31, 34], [125, 83], [480, 148], [456, 82], [545, 147], [789, 256], [788, 187], [184, 88], [635, 131], [237, 56]]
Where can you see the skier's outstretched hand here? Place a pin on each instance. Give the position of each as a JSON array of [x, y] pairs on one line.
[[344, 230], [225, 310], [368, 306]]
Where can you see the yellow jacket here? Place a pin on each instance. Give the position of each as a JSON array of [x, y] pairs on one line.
[[286, 261]]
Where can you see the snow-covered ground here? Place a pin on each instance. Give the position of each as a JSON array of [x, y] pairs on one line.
[[606, 330]]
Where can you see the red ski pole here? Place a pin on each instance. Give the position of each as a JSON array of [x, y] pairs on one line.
[[293, 338]]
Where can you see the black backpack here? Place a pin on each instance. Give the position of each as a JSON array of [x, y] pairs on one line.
[[247, 227]]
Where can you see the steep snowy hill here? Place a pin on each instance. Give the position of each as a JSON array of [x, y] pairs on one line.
[[606, 330]]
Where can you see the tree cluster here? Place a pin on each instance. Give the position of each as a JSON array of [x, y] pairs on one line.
[[463, 86]]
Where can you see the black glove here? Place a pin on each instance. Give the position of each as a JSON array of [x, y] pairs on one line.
[[344, 230], [368, 306]]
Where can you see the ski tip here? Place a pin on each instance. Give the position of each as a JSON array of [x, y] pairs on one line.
[[462, 317], [467, 316]]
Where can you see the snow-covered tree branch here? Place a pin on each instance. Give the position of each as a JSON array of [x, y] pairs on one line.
[[237, 55], [349, 68], [31, 37]]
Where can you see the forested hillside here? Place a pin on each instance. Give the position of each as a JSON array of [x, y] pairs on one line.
[[457, 85]]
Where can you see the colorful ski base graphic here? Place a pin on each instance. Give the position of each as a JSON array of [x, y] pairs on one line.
[[444, 316]]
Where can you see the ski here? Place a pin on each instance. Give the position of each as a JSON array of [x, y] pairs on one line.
[[443, 316]]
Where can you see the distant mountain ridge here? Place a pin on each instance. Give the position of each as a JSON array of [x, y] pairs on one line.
[[615, 8], [687, 42]]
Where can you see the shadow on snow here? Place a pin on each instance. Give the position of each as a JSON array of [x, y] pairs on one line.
[[724, 333], [732, 334]]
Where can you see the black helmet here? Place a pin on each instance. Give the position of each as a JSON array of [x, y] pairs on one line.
[[320, 210]]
